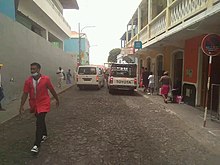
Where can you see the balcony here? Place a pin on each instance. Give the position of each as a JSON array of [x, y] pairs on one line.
[[176, 20], [52, 11], [47, 15]]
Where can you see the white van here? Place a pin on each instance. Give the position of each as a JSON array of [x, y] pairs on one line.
[[122, 77], [89, 75]]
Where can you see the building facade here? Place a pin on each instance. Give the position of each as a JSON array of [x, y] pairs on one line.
[[81, 51], [171, 32], [32, 31]]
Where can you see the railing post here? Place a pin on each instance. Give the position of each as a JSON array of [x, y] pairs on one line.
[[150, 8]]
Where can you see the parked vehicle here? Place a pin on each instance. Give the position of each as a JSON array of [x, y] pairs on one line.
[[122, 77], [89, 76]]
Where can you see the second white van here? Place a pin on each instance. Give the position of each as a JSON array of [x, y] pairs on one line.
[[89, 75]]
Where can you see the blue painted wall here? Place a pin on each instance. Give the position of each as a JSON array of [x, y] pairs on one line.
[[7, 7], [72, 45]]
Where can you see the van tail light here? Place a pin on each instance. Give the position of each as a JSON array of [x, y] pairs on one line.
[[97, 78], [135, 81], [111, 80], [77, 78]]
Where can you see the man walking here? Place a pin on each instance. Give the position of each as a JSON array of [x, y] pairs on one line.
[[68, 77], [145, 76], [61, 77], [37, 86]]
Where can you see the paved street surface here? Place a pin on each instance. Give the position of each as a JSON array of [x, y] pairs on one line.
[[93, 127]]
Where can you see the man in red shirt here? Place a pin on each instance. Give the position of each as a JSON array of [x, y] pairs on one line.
[[37, 86]]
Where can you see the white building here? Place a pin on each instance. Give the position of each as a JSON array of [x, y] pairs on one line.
[[45, 17]]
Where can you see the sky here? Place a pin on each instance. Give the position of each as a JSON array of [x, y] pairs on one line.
[[109, 18]]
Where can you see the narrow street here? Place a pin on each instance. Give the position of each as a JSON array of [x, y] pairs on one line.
[[93, 127]]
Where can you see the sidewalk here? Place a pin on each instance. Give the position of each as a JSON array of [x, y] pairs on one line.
[[209, 136], [12, 109]]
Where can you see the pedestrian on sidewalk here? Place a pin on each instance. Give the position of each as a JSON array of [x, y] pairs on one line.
[[68, 77], [61, 76], [151, 83], [37, 86], [141, 85], [1, 90], [166, 83], [145, 76]]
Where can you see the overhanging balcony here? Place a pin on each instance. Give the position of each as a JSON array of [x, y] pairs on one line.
[[47, 15], [182, 19], [51, 10]]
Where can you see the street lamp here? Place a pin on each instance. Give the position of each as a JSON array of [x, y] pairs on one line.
[[79, 60]]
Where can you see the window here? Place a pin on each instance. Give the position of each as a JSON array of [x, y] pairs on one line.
[[87, 71], [124, 71]]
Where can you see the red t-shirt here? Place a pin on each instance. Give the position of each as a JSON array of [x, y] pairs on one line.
[[39, 101]]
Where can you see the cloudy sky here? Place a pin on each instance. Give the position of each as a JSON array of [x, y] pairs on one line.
[[109, 17]]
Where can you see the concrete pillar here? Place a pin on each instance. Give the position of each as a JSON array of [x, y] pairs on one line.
[[139, 21], [167, 15], [46, 36], [150, 7], [61, 43], [127, 35], [132, 26]]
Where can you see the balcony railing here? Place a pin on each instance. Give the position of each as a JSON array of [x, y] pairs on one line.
[[176, 13], [58, 12], [144, 34], [131, 42], [181, 10], [158, 25]]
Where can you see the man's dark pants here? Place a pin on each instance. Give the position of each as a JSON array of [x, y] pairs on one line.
[[40, 127]]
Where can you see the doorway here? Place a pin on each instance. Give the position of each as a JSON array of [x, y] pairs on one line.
[[215, 79], [178, 70]]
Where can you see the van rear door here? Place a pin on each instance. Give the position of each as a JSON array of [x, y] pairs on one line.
[[87, 75]]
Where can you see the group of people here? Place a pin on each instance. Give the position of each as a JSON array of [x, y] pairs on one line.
[[148, 82], [62, 76]]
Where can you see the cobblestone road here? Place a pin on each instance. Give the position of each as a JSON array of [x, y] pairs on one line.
[[93, 127]]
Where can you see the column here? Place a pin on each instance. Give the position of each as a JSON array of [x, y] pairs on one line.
[[139, 21], [150, 6], [132, 26], [167, 15], [127, 35]]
